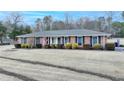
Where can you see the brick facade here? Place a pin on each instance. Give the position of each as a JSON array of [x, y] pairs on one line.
[[87, 40]]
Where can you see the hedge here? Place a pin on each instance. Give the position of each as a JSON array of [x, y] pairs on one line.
[[87, 46], [110, 46], [74, 45], [97, 47], [68, 46], [17, 45]]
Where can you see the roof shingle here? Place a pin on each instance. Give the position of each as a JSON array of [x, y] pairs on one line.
[[74, 32]]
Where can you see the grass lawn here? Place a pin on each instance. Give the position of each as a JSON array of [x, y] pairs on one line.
[[57, 64]]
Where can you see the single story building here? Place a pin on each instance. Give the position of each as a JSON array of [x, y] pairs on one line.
[[80, 36]]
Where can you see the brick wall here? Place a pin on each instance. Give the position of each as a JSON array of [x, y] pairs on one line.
[[87, 40], [30, 40], [72, 39], [43, 41], [103, 40]]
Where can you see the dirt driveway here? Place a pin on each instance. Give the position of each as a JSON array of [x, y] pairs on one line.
[[56, 64]]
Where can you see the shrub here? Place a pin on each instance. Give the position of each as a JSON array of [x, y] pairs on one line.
[[60, 46], [110, 46], [97, 47], [47, 46], [25, 45], [28, 45], [86, 46], [38, 45], [68, 45], [74, 45], [53, 46], [17, 45], [33, 46], [22, 45], [121, 45]]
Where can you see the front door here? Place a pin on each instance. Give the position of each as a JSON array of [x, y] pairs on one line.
[[80, 40], [94, 40]]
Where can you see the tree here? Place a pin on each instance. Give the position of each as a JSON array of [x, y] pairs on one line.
[[68, 21], [122, 14], [119, 28], [47, 21], [88, 24], [101, 24], [121, 33], [80, 23], [14, 18], [58, 25], [27, 29], [20, 29], [2, 32], [110, 16], [38, 24], [13, 21]]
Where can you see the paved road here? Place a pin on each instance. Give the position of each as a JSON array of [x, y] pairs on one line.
[[45, 64]]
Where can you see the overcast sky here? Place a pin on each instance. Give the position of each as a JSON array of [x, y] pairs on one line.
[[30, 16]]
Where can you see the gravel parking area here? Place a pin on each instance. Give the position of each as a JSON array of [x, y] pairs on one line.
[[60, 64]]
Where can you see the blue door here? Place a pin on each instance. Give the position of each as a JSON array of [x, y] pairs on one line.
[[94, 40], [80, 40]]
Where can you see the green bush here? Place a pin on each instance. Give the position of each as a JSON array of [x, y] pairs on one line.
[[60, 46], [25, 45], [68, 45], [74, 45], [28, 45], [17, 45], [38, 45], [53, 46], [121, 45], [97, 47], [110, 46], [33, 46], [86, 46], [47, 46], [22, 45]]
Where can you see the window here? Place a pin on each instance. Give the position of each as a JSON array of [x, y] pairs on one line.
[[38, 40], [80, 40], [25, 40]]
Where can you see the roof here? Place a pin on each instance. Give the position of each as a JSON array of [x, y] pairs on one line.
[[57, 33]]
